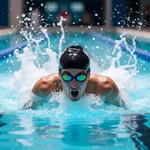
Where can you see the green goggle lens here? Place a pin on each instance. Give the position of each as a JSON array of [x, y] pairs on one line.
[[81, 77], [66, 77]]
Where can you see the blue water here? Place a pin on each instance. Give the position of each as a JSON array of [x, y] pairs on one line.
[[73, 126], [9, 40], [142, 43]]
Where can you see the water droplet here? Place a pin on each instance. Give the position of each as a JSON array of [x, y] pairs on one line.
[[17, 17], [23, 15], [30, 9]]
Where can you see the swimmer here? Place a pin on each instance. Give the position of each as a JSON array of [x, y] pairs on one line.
[[74, 78]]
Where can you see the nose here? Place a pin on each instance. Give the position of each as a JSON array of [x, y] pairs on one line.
[[74, 84]]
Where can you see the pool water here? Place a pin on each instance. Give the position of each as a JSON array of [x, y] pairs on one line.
[[142, 43], [61, 124], [10, 40]]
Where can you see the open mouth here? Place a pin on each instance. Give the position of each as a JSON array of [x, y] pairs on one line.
[[74, 93]]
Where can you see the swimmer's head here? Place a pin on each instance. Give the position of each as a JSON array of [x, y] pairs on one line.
[[74, 71], [74, 57]]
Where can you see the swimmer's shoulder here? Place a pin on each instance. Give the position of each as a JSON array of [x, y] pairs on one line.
[[50, 78], [99, 79], [102, 84], [47, 84]]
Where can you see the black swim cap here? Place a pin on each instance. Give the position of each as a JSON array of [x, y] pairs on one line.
[[74, 57]]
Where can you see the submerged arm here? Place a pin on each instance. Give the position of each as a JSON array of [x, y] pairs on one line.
[[114, 95], [40, 92], [110, 91]]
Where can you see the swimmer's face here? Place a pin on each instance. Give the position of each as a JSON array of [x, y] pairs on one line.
[[74, 82]]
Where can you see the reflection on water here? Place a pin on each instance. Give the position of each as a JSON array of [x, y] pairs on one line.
[[139, 131], [88, 135], [25, 131], [1, 122]]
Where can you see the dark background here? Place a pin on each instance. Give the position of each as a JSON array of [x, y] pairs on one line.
[[126, 8]]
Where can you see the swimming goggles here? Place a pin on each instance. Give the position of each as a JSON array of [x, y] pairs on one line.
[[80, 77]]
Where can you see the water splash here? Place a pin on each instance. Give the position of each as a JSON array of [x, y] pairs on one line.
[[130, 66], [47, 37], [37, 62], [120, 68], [62, 36]]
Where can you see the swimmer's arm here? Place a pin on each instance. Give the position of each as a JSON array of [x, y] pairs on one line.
[[115, 98], [112, 93], [42, 88], [40, 92]]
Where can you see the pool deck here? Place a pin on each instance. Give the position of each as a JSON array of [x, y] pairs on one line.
[[143, 33]]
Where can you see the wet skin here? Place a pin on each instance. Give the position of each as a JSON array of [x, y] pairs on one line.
[[94, 84]]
